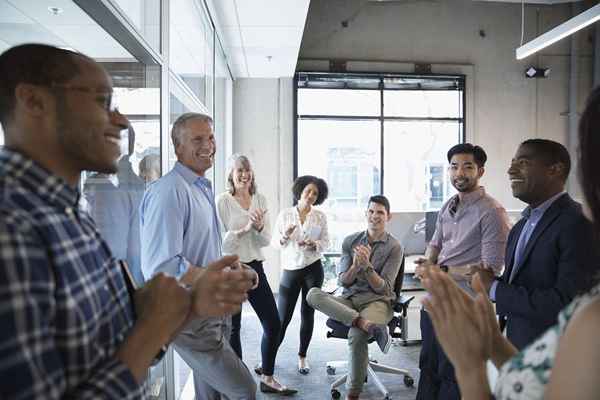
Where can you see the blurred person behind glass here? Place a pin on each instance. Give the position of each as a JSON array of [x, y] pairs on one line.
[[113, 202]]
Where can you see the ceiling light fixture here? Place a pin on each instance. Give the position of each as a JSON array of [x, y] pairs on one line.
[[563, 30], [55, 10], [534, 72]]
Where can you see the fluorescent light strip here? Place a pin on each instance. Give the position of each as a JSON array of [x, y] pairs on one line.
[[563, 30]]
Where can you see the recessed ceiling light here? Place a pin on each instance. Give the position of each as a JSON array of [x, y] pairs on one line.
[[55, 10]]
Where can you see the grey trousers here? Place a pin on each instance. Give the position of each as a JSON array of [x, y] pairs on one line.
[[345, 311], [219, 373]]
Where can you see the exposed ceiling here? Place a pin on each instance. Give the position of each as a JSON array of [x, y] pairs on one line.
[[261, 37]]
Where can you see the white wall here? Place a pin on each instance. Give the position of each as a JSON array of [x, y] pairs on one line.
[[263, 130], [504, 108]]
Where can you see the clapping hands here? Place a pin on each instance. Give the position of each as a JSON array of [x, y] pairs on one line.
[[450, 307], [362, 255], [222, 288], [257, 219]]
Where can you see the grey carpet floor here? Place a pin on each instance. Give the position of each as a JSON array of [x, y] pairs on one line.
[[316, 384]]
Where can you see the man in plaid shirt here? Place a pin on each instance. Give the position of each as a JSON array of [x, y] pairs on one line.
[[69, 326]]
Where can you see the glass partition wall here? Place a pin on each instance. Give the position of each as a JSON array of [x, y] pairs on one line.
[[164, 58]]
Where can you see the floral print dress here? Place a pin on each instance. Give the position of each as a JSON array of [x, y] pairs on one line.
[[526, 374]]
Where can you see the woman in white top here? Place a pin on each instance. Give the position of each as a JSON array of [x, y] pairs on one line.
[[244, 217], [301, 234]]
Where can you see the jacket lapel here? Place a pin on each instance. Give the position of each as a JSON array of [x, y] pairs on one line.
[[549, 216], [510, 250]]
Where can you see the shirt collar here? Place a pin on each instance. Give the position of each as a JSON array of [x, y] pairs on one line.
[[472, 197], [364, 238], [541, 209], [35, 178], [190, 176]]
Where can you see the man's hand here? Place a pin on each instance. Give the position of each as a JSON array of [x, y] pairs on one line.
[[422, 265], [449, 306], [163, 304], [486, 276], [221, 288], [362, 255], [252, 271]]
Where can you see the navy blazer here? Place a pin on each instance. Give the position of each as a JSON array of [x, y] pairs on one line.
[[559, 256]]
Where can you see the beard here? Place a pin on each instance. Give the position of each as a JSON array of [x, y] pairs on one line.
[[465, 185]]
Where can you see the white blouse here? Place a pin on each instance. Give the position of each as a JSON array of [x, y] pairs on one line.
[[315, 228], [233, 217]]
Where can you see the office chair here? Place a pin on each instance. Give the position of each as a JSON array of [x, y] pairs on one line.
[[396, 326]]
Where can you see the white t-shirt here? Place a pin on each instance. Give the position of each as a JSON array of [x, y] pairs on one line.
[[233, 217], [315, 228]]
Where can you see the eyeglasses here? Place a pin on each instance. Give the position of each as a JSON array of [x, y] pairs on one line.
[[104, 97]]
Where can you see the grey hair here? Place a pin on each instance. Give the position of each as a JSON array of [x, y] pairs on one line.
[[231, 162], [179, 125]]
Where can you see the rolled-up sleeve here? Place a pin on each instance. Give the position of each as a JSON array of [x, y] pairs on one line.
[[345, 260], [389, 271], [494, 233]]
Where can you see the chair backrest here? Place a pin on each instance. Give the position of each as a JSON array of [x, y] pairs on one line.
[[399, 278]]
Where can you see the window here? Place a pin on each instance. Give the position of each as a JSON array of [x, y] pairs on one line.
[[377, 133]]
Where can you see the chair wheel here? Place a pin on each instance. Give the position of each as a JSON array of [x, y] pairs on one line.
[[408, 381], [335, 394], [330, 370]]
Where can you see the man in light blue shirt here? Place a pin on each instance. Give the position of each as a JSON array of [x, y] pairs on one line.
[[179, 234]]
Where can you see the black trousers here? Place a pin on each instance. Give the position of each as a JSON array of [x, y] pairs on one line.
[[262, 301], [437, 380], [292, 282]]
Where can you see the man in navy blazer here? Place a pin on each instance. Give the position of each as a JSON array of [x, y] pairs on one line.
[[549, 251]]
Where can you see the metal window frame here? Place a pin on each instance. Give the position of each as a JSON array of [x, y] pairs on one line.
[[462, 121]]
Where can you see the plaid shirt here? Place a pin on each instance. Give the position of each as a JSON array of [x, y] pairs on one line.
[[64, 306]]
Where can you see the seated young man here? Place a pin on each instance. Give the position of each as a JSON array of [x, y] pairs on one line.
[[368, 268]]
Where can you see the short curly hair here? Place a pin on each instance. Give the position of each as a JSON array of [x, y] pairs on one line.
[[303, 181]]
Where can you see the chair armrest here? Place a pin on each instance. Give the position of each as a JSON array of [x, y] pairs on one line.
[[402, 303]]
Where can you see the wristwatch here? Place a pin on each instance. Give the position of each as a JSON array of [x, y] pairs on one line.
[[369, 269], [444, 268]]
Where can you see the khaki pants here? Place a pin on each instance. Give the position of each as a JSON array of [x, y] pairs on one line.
[[346, 311]]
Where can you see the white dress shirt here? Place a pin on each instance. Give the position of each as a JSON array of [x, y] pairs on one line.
[[314, 227], [233, 217]]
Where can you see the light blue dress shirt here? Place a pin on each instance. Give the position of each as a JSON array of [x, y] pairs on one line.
[[179, 224], [533, 215], [179, 228]]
